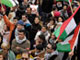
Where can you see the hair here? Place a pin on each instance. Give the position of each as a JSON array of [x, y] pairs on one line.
[[1, 36], [60, 17], [24, 15], [30, 8], [66, 5], [37, 17], [53, 46], [5, 45], [39, 47], [45, 27], [15, 18], [22, 30], [42, 37], [54, 8]]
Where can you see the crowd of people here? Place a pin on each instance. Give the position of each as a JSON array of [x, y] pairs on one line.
[[27, 30]]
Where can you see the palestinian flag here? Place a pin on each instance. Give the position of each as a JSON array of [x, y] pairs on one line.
[[70, 24], [9, 3], [65, 0], [70, 0], [57, 31], [70, 42]]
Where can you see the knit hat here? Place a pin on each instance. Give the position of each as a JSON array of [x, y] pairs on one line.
[[20, 22], [57, 13]]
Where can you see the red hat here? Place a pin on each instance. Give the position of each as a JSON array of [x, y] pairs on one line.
[[57, 13]]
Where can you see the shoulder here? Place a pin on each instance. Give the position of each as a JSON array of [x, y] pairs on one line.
[[28, 41], [14, 40]]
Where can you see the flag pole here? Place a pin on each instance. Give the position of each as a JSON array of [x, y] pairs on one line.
[[70, 6]]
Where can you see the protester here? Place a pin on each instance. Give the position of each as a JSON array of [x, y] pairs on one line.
[[20, 44], [28, 27], [7, 53]]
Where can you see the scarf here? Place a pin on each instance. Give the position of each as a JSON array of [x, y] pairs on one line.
[[16, 32], [48, 55], [20, 41]]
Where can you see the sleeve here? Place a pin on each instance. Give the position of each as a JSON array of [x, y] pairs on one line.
[[13, 47], [27, 47], [38, 33], [7, 22]]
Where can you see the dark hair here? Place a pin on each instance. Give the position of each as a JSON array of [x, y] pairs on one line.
[[65, 5], [37, 17], [53, 46], [45, 26], [54, 8], [39, 47], [1, 37], [24, 15], [42, 37], [15, 18], [62, 18], [29, 7], [22, 30]]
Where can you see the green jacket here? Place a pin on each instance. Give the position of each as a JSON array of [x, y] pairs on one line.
[[11, 55]]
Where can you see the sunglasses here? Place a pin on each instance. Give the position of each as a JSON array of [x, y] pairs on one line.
[[24, 58], [48, 47]]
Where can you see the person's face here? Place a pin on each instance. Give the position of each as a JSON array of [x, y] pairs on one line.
[[1, 57], [60, 19], [49, 48], [74, 9], [5, 51], [43, 29], [39, 40], [52, 22], [15, 21], [52, 36], [21, 35], [28, 10], [25, 1], [25, 56], [36, 20], [19, 27], [24, 18], [65, 7], [10, 15], [5, 28]]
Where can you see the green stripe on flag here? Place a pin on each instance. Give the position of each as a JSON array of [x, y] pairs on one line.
[[63, 36], [63, 48], [57, 31], [63, 0], [8, 3]]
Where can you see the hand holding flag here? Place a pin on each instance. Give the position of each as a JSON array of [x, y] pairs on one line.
[[71, 53]]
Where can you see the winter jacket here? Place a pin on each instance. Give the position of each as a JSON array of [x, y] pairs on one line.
[[24, 46]]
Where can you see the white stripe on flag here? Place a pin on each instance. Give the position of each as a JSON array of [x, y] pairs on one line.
[[67, 39], [16, 1], [13, 3], [71, 26]]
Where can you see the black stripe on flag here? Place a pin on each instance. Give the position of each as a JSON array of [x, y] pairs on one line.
[[77, 17]]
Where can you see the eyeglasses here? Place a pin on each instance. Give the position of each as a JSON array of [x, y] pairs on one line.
[[24, 58], [48, 47]]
